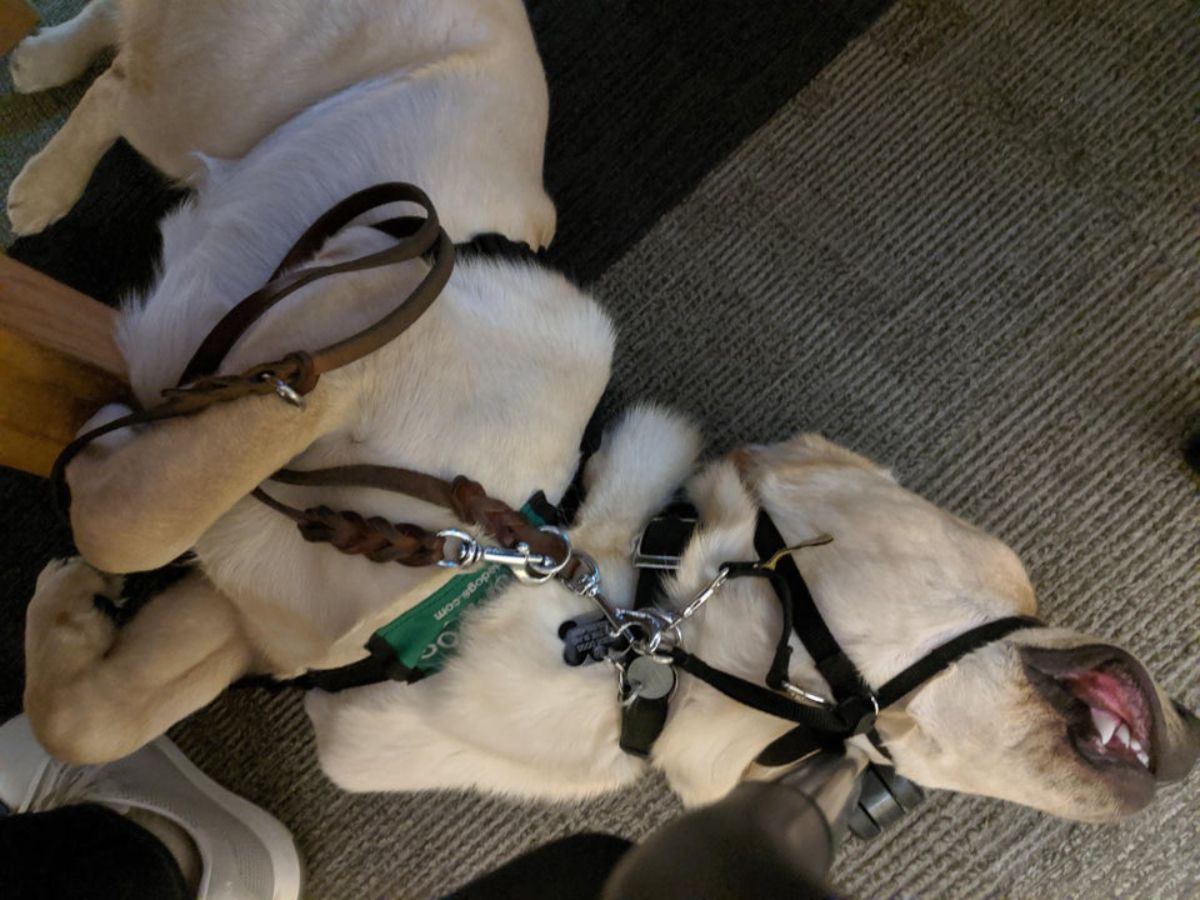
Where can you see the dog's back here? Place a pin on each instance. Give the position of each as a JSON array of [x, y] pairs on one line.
[[218, 76], [459, 85]]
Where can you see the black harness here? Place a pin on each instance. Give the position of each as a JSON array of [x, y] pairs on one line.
[[854, 705]]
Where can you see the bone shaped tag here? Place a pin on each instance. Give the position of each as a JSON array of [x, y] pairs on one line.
[[587, 639]]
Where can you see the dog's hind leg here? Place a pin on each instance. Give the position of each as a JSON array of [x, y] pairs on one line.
[[62, 53], [95, 692], [51, 182]]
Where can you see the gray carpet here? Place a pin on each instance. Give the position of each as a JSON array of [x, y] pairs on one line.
[[966, 249]]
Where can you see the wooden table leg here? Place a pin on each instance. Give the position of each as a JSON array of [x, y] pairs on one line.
[[17, 19], [59, 363]]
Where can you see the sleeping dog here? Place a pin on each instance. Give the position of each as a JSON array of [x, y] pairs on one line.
[[497, 382]]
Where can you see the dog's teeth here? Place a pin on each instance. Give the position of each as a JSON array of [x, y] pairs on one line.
[[1123, 734], [1105, 723], [1135, 745], [1144, 758]]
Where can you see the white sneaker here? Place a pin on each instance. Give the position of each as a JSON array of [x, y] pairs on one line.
[[246, 853]]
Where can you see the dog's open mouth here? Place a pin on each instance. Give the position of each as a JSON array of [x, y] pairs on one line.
[[1120, 723], [1107, 700]]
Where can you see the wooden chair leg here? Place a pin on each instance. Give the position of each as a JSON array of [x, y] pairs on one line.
[[59, 363], [17, 19]]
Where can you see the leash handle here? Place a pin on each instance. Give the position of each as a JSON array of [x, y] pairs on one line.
[[427, 237], [297, 373]]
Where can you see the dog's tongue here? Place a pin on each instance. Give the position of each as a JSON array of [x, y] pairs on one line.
[[1116, 703]]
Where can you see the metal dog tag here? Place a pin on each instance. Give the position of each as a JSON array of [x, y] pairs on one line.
[[649, 680]]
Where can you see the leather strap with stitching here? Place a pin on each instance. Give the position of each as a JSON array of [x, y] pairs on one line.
[[428, 238]]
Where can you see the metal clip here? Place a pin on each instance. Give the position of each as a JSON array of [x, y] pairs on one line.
[[805, 696], [706, 594], [811, 542], [585, 582], [528, 567], [284, 390]]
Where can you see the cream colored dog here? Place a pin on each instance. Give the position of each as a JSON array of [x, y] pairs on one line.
[[497, 382]]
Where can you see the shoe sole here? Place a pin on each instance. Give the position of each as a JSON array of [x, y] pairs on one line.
[[289, 876]]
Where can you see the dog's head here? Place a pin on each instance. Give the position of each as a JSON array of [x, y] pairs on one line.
[[1060, 721]]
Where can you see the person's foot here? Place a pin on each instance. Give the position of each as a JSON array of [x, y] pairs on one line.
[[243, 851]]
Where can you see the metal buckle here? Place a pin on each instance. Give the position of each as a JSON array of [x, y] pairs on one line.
[[854, 712], [804, 696]]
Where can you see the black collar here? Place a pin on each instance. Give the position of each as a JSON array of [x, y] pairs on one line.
[[495, 245]]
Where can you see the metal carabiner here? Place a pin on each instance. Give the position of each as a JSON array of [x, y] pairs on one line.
[[540, 569], [706, 594]]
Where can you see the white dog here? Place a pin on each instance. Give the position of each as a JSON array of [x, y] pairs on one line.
[[495, 382]]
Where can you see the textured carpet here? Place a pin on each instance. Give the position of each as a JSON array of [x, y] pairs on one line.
[[965, 248], [968, 250]]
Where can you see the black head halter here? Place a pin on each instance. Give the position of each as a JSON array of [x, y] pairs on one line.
[[855, 705]]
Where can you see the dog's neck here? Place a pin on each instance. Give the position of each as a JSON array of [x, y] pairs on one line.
[[738, 630]]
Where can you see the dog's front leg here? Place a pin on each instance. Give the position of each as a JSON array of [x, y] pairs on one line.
[[61, 53], [51, 182], [138, 502], [95, 692]]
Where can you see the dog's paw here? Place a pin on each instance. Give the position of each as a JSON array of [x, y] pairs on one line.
[[43, 61], [41, 194], [64, 600]]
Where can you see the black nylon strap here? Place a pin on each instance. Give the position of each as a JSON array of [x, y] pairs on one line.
[[833, 664], [950, 652], [760, 698], [801, 741], [380, 666], [778, 673], [494, 245], [795, 744]]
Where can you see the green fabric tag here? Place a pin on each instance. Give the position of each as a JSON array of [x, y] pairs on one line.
[[425, 636]]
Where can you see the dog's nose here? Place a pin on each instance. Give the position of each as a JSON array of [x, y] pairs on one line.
[[1183, 756]]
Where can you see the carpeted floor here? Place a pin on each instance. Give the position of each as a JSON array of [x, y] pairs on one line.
[[965, 247]]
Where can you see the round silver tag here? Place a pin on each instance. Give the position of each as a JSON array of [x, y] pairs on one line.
[[650, 680]]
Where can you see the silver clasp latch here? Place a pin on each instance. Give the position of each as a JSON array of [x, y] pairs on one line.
[[528, 567]]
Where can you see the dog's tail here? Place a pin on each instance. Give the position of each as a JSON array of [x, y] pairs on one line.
[[644, 457]]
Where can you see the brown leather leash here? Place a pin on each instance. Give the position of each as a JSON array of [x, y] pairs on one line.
[[296, 375]]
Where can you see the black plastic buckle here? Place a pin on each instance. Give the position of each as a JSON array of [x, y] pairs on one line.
[[661, 543]]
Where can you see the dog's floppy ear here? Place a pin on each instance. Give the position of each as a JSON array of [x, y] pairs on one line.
[[805, 449], [139, 503]]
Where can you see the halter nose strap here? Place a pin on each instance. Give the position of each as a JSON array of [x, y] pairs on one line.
[[801, 740]]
